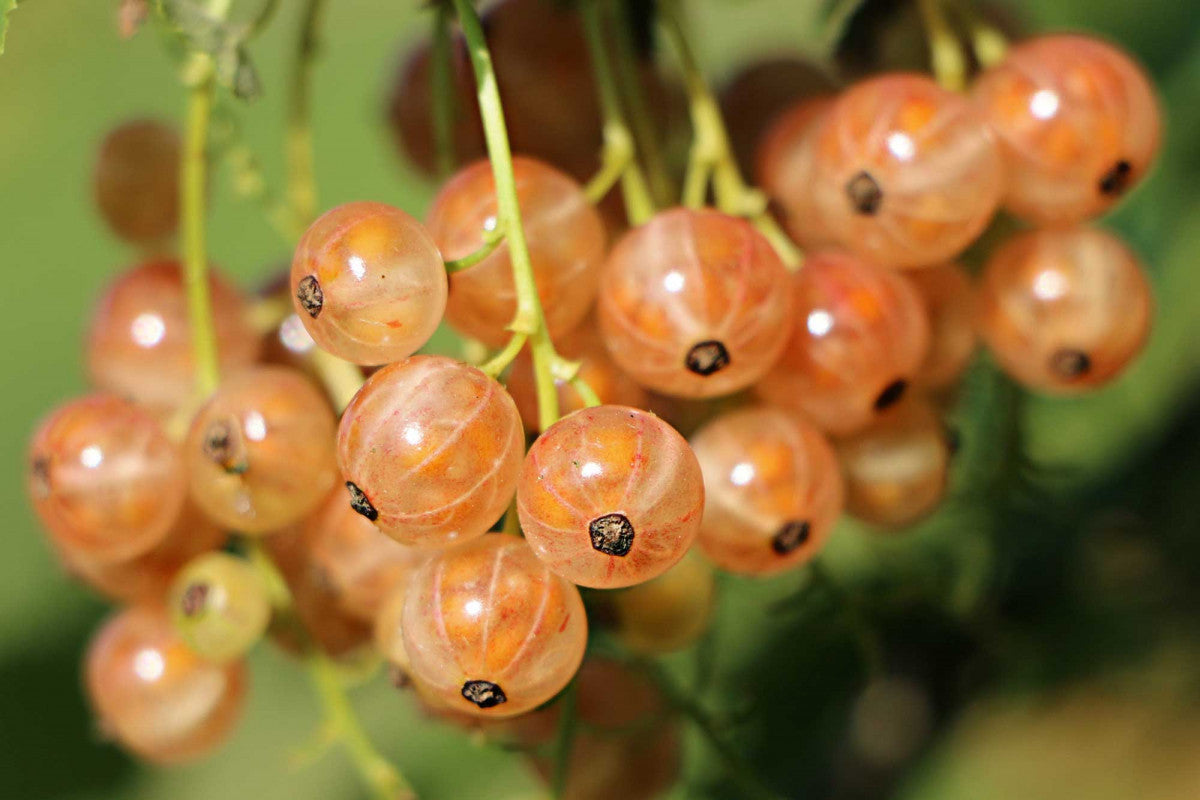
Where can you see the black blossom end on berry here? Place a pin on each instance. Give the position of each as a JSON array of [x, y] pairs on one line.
[[360, 503], [707, 357], [611, 534], [39, 477], [484, 694], [223, 444], [865, 193], [1069, 364], [311, 296], [1117, 180], [194, 599], [891, 394], [791, 536]]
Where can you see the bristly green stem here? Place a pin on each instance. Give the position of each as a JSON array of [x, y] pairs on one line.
[[620, 156], [302, 182], [712, 154], [193, 202], [442, 92], [946, 55]]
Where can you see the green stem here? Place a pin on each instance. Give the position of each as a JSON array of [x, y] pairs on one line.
[[499, 362], [442, 92], [987, 41], [567, 722], [585, 392], [490, 243], [946, 55], [302, 182], [193, 202]]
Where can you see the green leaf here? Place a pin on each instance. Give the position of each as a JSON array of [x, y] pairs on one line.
[[224, 41], [6, 8]]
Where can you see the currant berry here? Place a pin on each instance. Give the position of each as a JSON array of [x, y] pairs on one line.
[[220, 607], [596, 368], [368, 283], [1064, 311], [896, 469], [667, 613], [907, 174], [154, 695], [860, 335], [148, 577], [490, 629], [948, 296], [389, 633], [610, 496], [1077, 122], [104, 479], [136, 182], [260, 452], [784, 169], [566, 239], [139, 344], [431, 451], [361, 565], [772, 489], [694, 303]]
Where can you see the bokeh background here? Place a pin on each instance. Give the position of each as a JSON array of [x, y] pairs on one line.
[[1039, 635]]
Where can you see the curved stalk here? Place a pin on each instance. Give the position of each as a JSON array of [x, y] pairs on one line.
[[195, 249], [302, 182], [946, 55]]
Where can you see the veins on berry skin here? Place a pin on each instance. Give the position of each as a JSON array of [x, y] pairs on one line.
[[484, 694]]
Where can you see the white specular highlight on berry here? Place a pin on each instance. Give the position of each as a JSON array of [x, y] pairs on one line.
[[1044, 104]]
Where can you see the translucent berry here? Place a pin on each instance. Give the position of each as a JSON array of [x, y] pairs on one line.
[[694, 304], [260, 452], [368, 283], [137, 181], [361, 564], [610, 496], [490, 629], [154, 695], [1064, 311], [772, 490], [389, 633], [667, 613], [948, 296], [220, 607], [1077, 122], [858, 338], [596, 368], [566, 245], [895, 470], [907, 173], [104, 479], [784, 168], [148, 577], [431, 450], [139, 344]]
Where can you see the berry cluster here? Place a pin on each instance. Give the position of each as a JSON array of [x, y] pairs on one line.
[[808, 390]]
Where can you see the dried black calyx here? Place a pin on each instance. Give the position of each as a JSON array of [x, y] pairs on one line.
[[891, 394], [611, 534], [195, 596], [39, 477], [865, 193], [484, 694], [1117, 179], [707, 357], [792, 534], [223, 444], [360, 503], [1069, 363], [311, 295]]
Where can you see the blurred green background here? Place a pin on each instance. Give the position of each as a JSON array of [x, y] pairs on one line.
[[1038, 634]]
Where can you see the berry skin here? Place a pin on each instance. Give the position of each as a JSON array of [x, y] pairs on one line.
[[772, 489], [667, 613], [907, 174], [896, 470], [368, 283], [219, 606], [154, 695], [693, 303], [260, 452], [784, 169], [139, 344], [104, 479], [490, 630], [431, 450], [948, 296], [1064, 311], [596, 368], [860, 335], [610, 496], [566, 239], [136, 182], [1078, 125]]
